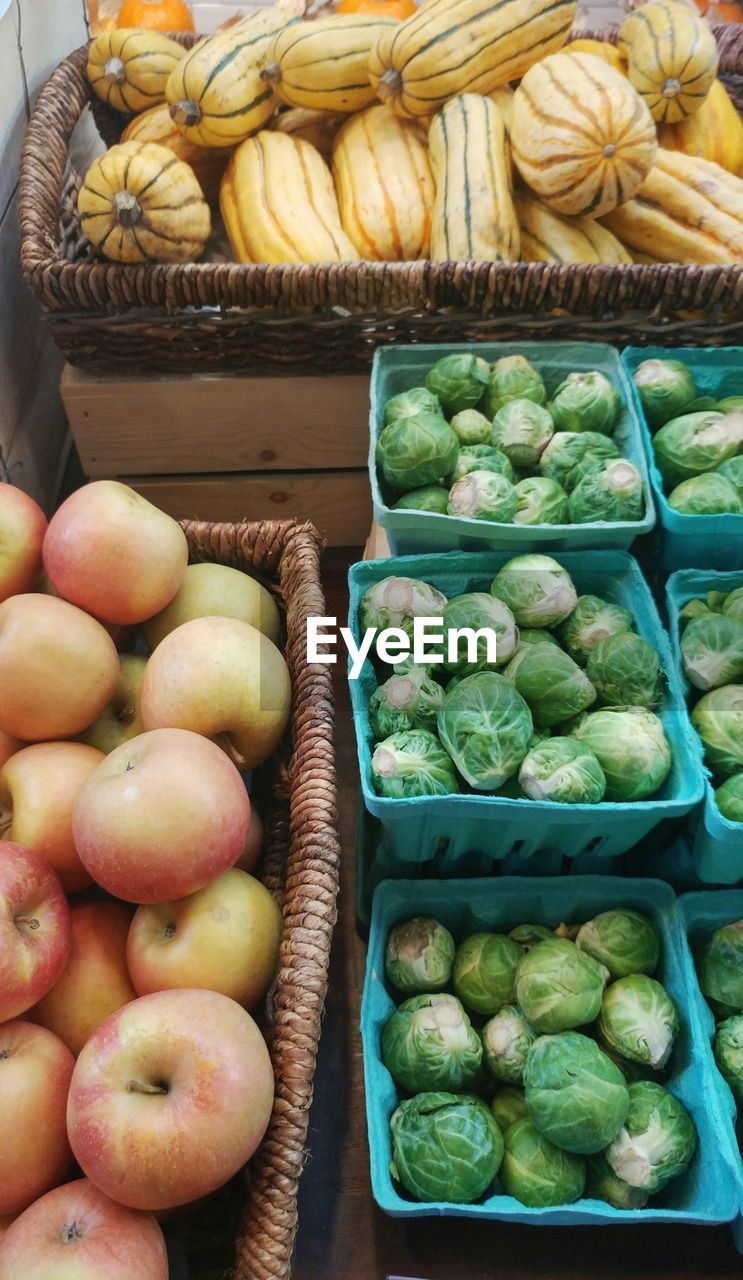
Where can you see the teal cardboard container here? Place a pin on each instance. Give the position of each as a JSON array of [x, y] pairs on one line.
[[400, 368], [706, 1193], [717, 843], [472, 831], [693, 542]]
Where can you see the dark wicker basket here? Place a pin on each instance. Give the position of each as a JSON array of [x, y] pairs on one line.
[[329, 319]]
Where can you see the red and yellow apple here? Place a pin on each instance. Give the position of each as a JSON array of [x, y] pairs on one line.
[[22, 529], [113, 553], [169, 1098], [35, 931], [58, 668], [253, 851], [120, 719], [224, 938], [77, 1233], [38, 790], [8, 747], [216, 590], [161, 816], [35, 1073], [95, 982]]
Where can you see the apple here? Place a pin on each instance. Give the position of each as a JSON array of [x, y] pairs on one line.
[[38, 789], [253, 851], [216, 590], [58, 668], [223, 678], [161, 816], [224, 938], [22, 529], [35, 931], [169, 1098], [8, 748], [77, 1233], [95, 981], [120, 719], [35, 1073], [113, 553]]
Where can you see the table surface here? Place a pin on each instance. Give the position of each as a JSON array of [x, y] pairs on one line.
[[342, 1235]]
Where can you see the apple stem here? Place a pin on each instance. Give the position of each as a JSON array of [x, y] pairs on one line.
[[71, 1233], [29, 921], [222, 740], [136, 1086]]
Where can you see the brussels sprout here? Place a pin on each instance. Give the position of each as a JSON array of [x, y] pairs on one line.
[[624, 941], [445, 1148], [586, 402], [409, 404], [506, 1040], [614, 491], [558, 987], [603, 1184], [665, 387], [729, 798], [508, 1106], [481, 457], [626, 671], [712, 650], [563, 771], [733, 605], [697, 442], [694, 609], [728, 1048], [536, 1172], [721, 967], [477, 610], [554, 686], [419, 956], [485, 970], [486, 727], [483, 495], [429, 1043], [716, 600], [657, 1142], [707, 495], [540, 501], [639, 1020], [459, 381], [522, 429], [572, 454], [732, 470], [512, 378], [432, 497], [528, 935], [395, 602], [409, 701], [718, 719], [412, 763], [728, 404], [537, 590], [529, 636], [471, 427], [574, 1094], [416, 451], [631, 747], [591, 621]]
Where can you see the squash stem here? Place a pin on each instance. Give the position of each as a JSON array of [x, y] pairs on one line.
[[128, 209], [115, 71], [271, 74], [186, 113]]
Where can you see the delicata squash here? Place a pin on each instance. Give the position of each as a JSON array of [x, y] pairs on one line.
[[546, 237], [671, 58], [324, 64], [208, 163], [129, 69]]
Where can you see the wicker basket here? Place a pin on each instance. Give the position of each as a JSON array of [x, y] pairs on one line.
[[314, 318], [301, 870]]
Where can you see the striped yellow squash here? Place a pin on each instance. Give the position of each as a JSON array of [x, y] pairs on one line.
[[671, 58], [582, 138], [714, 132], [317, 127], [473, 214], [216, 94], [546, 237], [325, 64], [450, 47], [279, 205], [155, 125], [129, 69], [384, 185]]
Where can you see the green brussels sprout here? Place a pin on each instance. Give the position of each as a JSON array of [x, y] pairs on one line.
[[574, 1094], [716, 600], [729, 404], [639, 1020], [603, 1184], [471, 427], [631, 747], [718, 719], [733, 605], [656, 1143], [536, 1172], [412, 763], [430, 1043], [613, 491], [666, 387], [564, 772], [522, 429], [622, 940], [506, 1040], [591, 621], [721, 967], [540, 501], [410, 404], [729, 798], [419, 956], [486, 727], [432, 497], [712, 650], [625, 671], [558, 987], [728, 1049], [483, 495], [415, 451], [537, 590], [477, 610], [532, 636], [570, 455], [694, 609], [512, 378], [459, 381], [696, 442], [528, 935], [732, 470], [445, 1148], [508, 1106], [485, 970], [409, 701], [554, 686], [707, 495], [396, 602], [481, 457], [586, 402]]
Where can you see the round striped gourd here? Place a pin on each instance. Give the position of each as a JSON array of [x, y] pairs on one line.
[[714, 132], [140, 203], [546, 237], [324, 64], [129, 69], [208, 163], [581, 137], [671, 58]]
